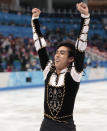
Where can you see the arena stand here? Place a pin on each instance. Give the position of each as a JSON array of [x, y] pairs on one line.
[[17, 51]]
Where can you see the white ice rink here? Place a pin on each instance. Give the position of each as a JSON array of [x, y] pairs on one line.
[[22, 110]]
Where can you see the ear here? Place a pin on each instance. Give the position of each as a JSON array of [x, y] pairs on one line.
[[71, 59]]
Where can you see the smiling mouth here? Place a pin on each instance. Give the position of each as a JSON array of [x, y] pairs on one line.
[[57, 60]]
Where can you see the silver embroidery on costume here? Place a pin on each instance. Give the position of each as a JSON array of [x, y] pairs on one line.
[[55, 99], [56, 93]]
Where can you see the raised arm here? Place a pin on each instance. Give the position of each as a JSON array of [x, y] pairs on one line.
[[40, 43], [81, 42]]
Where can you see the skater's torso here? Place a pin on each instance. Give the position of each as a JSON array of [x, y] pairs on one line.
[[60, 93]]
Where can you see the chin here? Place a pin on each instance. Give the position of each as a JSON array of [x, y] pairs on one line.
[[56, 66]]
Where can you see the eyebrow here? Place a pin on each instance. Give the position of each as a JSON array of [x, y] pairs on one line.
[[63, 51]]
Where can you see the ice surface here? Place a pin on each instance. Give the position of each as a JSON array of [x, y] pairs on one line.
[[22, 110]]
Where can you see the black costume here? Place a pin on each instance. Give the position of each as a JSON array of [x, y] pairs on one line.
[[60, 90]]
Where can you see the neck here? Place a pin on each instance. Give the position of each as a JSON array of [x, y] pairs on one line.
[[58, 71]]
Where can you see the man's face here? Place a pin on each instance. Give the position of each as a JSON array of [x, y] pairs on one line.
[[61, 58]]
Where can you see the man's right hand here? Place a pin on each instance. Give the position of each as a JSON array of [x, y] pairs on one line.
[[35, 12]]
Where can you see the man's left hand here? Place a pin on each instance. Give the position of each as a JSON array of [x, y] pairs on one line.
[[82, 8]]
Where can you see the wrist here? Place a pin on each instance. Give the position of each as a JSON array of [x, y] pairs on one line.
[[85, 15]]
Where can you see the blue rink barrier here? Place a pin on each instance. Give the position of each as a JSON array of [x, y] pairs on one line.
[[20, 80], [34, 79]]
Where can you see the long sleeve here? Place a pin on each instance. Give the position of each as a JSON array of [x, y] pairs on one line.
[[40, 43], [81, 43]]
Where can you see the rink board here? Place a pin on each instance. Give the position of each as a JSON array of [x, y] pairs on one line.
[[20, 80]]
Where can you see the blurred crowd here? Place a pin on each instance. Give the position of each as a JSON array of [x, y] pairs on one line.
[[19, 54]]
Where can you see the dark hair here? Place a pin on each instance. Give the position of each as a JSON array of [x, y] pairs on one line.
[[69, 44]]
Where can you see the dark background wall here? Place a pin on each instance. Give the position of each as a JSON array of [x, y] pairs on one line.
[[54, 4]]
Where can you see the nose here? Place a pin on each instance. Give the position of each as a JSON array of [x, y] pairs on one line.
[[57, 55]]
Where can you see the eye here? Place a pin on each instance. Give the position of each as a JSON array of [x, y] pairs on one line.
[[62, 52]]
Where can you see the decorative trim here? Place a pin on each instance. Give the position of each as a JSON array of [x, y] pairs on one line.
[[85, 16], [33, 18], [40, 43], [61, 117], [35, 37], [50, 108], [56, 118], [47, 69], [81, 45], [87, 21], [83, 38], [47, 89], [60, 82], [85, 29], [75, 75], [81, 42], [48, 116]]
